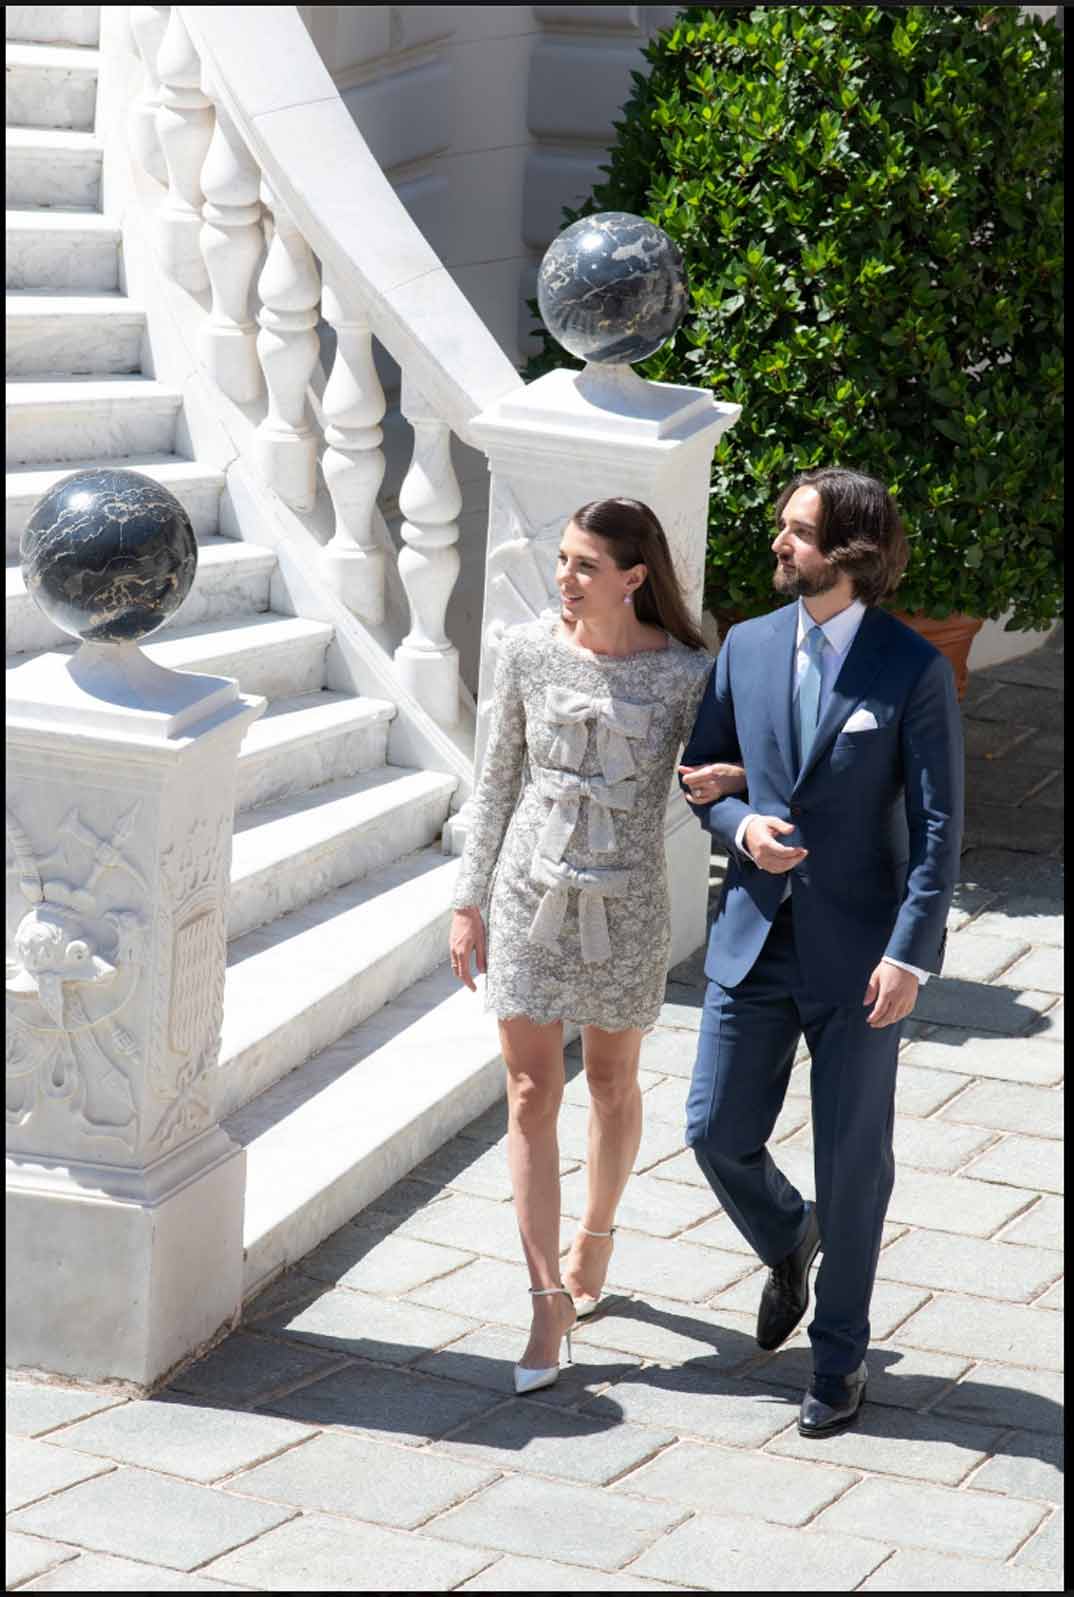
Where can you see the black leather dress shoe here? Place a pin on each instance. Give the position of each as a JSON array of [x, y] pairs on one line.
[[786, 1294], [832, 1403]]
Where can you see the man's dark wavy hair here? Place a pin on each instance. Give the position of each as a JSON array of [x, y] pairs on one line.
[[859, 529]]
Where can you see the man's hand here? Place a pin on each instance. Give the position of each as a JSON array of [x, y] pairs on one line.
[[893, 993], [769, 855], [706, 783], [467, 936]]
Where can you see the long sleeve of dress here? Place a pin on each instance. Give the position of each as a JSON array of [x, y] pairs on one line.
[[498, 787], [691, 705]]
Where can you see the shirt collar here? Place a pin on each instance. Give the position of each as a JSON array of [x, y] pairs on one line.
[[840, 631]]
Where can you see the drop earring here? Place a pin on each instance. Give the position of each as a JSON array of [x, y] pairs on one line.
[[628, 598]]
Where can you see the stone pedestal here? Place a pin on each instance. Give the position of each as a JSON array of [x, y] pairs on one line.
[[568, 438], [124, 1198]]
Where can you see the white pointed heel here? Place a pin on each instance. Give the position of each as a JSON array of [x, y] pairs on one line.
[[584, 1306], [527, 1380]]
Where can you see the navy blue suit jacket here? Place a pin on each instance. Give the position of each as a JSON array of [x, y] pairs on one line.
[[880, 811]]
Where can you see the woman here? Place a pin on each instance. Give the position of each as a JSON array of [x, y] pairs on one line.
[[590, 709]]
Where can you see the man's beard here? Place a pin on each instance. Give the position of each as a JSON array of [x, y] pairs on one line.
[[789, 581]]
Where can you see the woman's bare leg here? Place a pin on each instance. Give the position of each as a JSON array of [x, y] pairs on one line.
[[611, 1065], [534, 1059]]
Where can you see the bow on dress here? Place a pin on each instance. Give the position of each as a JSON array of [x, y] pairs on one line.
[[592, 887], [617, 722], [567, 790]]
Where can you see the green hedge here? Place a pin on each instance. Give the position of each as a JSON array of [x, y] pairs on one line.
[[869, 202]]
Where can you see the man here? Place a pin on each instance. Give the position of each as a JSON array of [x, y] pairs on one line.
[[843, 857]]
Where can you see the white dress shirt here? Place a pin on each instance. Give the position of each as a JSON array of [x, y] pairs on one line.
[[840, 632]]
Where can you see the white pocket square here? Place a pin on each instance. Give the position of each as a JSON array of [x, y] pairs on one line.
[[860, 721]]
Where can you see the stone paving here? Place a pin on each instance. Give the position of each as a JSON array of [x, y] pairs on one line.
[[359, 1433]]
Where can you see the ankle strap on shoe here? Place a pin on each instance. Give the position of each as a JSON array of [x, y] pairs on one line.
[[589, 1233], [548, 1292]]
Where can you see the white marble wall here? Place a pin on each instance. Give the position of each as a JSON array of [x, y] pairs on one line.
[[995, 646]]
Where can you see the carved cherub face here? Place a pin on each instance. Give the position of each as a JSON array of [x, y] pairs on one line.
[[53, 941]]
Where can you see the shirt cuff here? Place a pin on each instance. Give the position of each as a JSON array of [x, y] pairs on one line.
[[740, 836], [922, 975]]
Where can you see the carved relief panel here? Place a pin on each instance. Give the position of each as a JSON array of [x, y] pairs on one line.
[[116, 948], [78, 915], [189, 1005]]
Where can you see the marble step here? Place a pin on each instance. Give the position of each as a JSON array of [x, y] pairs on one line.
[[53, 24], [232, 579], [72, 418], [304, 741], [72, 335], [287, 854], [72, 252], [50, 86], [328, 1140], [47, 167], [296, 986], [196, 487], [266, 654]]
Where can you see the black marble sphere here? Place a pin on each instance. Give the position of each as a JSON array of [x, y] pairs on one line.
[[108, 555], [612, 288]]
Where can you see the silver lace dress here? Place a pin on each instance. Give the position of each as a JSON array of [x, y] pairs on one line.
[[565, 854]]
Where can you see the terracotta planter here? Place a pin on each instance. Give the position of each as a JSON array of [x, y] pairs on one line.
[[952, 637]]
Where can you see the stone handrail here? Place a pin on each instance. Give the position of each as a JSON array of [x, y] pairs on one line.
[[266, 174]]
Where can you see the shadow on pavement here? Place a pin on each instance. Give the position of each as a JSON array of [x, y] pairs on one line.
[[373, 1386]]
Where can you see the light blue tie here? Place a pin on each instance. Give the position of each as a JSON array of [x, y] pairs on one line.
[[809, 693]]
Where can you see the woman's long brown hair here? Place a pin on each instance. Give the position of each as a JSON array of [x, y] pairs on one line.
[[636, 538]]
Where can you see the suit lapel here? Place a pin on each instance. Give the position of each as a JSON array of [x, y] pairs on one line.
[[782, 640], [863, 660]]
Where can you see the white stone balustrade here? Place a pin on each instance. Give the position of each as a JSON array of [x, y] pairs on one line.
[[352, 407], [285, 444], [185, 127], [148, 25], [430, 499], [120, 798], [232, 245]]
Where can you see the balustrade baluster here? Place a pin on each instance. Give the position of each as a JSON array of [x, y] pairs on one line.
[[430, 500], [353, 463], [232, 244], [184, 126], [285, 444], [148, 24]]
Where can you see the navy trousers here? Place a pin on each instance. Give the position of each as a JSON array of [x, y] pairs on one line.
[[745, 1052]]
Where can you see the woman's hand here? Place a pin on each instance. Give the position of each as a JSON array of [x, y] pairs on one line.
[[467, 936], [707, 783]]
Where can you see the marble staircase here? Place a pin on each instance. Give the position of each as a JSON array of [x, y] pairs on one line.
[[346, 1056]]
